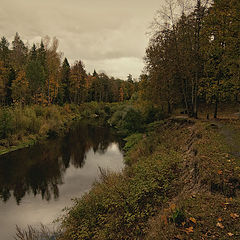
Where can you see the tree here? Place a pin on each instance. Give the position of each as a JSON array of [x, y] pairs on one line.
[[121, 94], [20, 88], [174, 63], [77, 83], [65, 80], [130, 78], [11, 78], [19, 53], [4, 51], [53, 66], [36, 77], [3, 82], [221, 58]]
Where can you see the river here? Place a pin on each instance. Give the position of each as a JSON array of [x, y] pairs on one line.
[[37, 183]]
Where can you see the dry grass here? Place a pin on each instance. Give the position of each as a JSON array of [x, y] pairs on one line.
[[35, 233], [209, 196]]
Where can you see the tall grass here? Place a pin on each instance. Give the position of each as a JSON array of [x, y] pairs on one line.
[[19, 123], [119, 206], [31, 233]]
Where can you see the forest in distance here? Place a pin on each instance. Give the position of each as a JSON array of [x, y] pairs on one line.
[[37, 75], [178, 125]]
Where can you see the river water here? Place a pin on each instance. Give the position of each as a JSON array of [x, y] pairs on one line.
[[37, 183]]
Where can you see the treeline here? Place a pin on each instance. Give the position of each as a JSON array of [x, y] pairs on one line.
[[195, 58], [37, 75]]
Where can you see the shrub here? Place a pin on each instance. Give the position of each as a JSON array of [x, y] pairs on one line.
[[39, 110], [6, 123], [132, 140], [152, 113], [127, 119], [132, 120]]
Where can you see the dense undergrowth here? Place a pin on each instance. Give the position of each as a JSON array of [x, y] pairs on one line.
[[208, 204], [120, 205], [182, 181]]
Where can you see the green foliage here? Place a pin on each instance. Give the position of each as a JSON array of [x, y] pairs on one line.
[[132, 120], [95, 110], [20, 124], [127, 119], [178, 216], [152, 113], [132, 140], [154, 125], [35, 75], [119, 206], [195, 59], [6, 121]]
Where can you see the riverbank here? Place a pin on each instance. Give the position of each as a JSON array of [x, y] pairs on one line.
[[22, 127], [181, 181]]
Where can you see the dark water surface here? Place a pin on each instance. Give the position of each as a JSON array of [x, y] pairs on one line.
[[37, 183]]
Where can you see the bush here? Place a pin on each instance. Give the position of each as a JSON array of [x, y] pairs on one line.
[[132, 120], [127, 120], [6, 123], [132, 140], [20, 123], [39, 110], [152, 114]]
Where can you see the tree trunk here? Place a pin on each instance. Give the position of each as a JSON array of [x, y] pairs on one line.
[[195, 104], [169, 108], [48, 91]]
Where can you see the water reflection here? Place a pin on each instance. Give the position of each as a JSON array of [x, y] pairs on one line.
[[40, 169]]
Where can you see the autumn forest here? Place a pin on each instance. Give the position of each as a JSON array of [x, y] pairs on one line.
[[37, 75]]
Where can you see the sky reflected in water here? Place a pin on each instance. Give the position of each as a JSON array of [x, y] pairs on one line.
[[37, 183]]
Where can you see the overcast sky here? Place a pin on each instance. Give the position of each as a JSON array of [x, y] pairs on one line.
[[107, 35]]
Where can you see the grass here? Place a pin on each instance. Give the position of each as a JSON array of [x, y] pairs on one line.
[[17, 147], [31, 233], [209, 195]]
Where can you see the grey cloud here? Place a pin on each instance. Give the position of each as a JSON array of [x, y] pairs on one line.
[[98, 32]]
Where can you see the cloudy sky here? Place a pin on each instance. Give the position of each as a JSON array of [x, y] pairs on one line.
[[108, 35]]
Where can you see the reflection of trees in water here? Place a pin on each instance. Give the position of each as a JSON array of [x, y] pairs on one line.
[[40, 170], [35, 171]]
